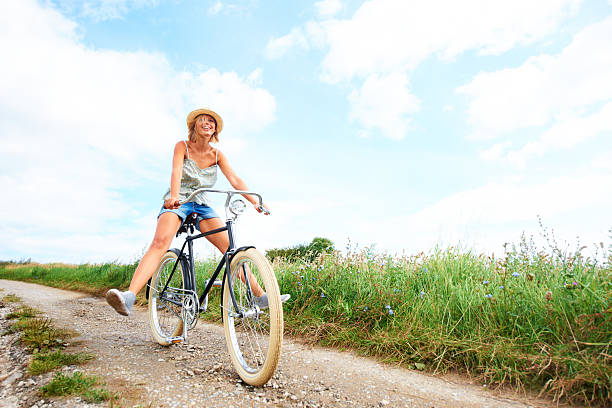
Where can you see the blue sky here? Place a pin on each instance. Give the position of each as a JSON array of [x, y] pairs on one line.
[[403, 125]]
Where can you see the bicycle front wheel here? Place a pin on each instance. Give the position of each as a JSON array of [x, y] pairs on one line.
[[254, 335], [165, 309]]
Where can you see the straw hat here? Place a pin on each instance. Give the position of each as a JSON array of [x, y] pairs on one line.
[[194, 114]]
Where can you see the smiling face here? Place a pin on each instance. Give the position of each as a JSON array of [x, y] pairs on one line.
[[205, 127]]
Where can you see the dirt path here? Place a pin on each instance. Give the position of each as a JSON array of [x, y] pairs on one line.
[[200, 373]]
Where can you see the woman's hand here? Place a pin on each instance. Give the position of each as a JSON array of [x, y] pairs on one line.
[[259, 209], [171, 203]]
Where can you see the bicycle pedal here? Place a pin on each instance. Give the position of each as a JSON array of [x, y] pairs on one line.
[[216, 284], [175, 340]]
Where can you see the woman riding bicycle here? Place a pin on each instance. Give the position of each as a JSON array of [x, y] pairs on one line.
[[194, 166]]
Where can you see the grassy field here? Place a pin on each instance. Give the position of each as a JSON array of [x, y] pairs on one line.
[[534, 319]]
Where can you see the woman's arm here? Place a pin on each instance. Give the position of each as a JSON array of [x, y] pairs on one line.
[[175, 179], [236, 181]]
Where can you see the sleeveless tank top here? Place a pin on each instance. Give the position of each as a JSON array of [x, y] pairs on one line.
[[193, 178]]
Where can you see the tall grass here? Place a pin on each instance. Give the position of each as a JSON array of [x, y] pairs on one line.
[[531, 319], [536, 319], [91, 278]]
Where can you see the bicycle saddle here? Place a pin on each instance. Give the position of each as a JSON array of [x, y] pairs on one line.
[[188, 225]]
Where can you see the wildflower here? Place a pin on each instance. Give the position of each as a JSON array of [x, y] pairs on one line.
[[388, 307], [502, 287], [572, 285], [485, 282], [390, 311], [365, 309], [488, 296], [515, 274], [322, 294], [422, 294]]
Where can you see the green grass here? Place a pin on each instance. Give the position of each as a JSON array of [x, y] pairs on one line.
[[10, 298], [76, 384], [23, 312], [48, 361], [530, 320], [39, 334], [45, 340], [533, 319], [89, 278]]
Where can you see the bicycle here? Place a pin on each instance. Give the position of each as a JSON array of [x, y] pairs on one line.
[[253, 334]]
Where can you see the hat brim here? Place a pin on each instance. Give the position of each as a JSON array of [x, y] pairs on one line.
[[194, 114]]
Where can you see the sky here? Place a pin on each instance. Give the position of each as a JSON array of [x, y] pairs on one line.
[[400, 126]]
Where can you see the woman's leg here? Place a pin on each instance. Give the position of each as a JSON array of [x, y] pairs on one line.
[[167, 225], [221, 241]]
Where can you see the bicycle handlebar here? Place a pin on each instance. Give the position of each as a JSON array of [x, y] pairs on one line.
[[229, 193]]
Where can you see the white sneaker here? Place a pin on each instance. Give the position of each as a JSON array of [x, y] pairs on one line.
[[122, 302]]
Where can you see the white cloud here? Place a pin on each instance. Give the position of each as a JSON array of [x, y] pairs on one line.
[[544, 87], [494, 152], [328, 8], [566, 97], [100, 10], [386, 37], [391, 35], [567, 132], [81, 129], [239, 7], [278, 47], [603, 161], [485, 217], [384, 102], [221, 90], [215, 8]]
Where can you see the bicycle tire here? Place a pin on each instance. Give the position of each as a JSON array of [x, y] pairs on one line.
[[164, 316], [254, 343]]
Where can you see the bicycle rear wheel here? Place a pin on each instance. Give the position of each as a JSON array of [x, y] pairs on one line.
[[253, 340], [165, 310]]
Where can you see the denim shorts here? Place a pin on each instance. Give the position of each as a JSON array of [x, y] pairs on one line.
[[204, 212]]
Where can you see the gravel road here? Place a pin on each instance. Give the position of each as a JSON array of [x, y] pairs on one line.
[[200, 373]]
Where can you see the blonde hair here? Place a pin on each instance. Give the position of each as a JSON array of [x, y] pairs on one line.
[[193, 137]]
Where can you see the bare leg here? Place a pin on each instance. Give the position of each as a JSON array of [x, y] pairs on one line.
[[221, 241], [167, 225]]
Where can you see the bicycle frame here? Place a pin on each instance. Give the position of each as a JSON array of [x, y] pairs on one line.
[[225, 261]]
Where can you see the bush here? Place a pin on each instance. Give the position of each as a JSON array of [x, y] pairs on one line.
[[302, 252]]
